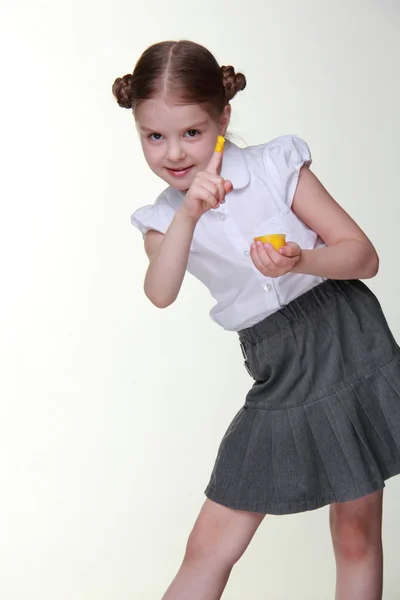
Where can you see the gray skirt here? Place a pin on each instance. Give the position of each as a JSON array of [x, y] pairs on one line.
[[321, 423]]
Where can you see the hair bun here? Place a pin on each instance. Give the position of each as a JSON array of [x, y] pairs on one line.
[[233, 82], [122, 90]]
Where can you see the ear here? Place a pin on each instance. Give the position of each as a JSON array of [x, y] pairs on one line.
[[224, 119]]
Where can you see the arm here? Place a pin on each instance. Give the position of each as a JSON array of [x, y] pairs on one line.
[[168, 255], [348, 254]]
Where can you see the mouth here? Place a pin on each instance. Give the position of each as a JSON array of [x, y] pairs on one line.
[[179, 172]]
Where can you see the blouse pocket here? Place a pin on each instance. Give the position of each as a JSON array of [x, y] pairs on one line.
[[287, 223], [291, 285]]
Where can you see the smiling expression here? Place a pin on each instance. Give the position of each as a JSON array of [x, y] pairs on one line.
[[178, 140]]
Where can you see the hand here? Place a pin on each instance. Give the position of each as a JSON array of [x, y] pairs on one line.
[[275, 263], [208, 189]]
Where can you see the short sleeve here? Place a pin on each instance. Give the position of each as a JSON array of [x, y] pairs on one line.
[[157, 216], [283, 159]]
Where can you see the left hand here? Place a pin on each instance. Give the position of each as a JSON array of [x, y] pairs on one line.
[[275, 263]]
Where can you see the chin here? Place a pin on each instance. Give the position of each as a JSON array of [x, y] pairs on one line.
[[179, 184]]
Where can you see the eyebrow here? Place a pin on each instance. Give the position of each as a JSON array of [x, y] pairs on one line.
[[194, 126]]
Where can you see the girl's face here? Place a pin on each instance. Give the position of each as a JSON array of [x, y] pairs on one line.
[[178, 140]]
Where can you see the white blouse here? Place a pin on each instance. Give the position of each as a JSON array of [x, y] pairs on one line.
[[264, 181]]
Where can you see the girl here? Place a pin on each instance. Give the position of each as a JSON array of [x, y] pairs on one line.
[[321, 422]]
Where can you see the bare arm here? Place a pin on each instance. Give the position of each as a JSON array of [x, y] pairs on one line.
[[348, 254], [168, 255]]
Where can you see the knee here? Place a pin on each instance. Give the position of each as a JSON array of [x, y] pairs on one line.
[[351, 535], [208, 546]]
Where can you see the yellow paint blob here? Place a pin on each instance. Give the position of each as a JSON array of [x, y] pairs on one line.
[[220, 144]]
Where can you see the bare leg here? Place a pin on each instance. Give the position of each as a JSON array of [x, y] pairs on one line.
[[219, 538], [356, 528]]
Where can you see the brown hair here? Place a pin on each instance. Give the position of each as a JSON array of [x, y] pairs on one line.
[[183, 69]]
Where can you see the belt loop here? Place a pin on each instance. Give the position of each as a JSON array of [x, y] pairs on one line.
[[246, 362]]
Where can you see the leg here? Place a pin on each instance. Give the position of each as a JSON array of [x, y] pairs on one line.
[[219, 538], [356, 535]]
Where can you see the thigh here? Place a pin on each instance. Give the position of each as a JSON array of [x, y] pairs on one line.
[[219, 529]]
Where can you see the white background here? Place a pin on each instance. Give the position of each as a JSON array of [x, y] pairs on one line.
[[111, 410]]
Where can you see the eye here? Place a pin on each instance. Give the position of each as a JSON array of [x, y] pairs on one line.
[[193, 133], [155, 136]]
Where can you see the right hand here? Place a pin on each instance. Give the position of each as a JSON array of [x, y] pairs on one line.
[[208, 189]]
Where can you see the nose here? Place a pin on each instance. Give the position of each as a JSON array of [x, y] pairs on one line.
[[175, 151]]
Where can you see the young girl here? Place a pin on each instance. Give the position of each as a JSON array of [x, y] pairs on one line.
[[321, 422]]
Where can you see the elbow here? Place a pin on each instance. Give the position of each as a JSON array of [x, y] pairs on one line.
[[375, 266], [157, 300], [376, 263], [157, 293], [161, 303], [372, 266]]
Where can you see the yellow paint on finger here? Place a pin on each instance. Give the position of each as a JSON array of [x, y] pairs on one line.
[[220, 144], [277, 240]]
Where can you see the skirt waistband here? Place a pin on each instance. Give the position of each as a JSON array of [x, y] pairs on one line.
[[299, 307]]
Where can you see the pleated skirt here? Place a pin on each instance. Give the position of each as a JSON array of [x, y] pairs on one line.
[[321, 422]]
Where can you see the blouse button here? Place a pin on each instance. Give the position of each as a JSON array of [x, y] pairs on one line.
[[267, 287], [246, 252], [221, 216]]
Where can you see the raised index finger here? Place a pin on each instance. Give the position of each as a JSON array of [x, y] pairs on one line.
[[214, 166]]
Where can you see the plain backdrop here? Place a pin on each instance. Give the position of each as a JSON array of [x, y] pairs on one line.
[[111, 410]]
